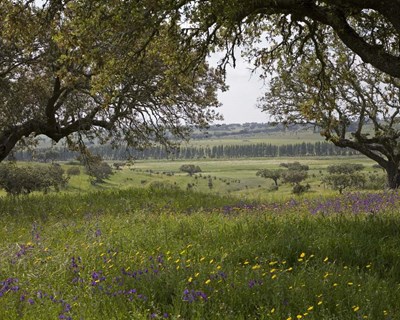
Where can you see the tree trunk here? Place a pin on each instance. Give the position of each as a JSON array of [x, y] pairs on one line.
[[8, 140], [393, 175]]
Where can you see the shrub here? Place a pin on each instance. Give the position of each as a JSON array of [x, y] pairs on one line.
[[345, 168], [100, 171], [73, 171], [24, 180], [297, 166], [294, 176], [299, 188]]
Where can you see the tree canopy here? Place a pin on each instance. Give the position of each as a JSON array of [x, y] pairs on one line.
[[368, 28], [106, 70]]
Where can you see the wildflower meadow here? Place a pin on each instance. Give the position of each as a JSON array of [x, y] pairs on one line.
[[171, 254]]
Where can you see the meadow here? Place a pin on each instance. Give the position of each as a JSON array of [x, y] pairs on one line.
[[229, 177], [141, 246], [166, 253]]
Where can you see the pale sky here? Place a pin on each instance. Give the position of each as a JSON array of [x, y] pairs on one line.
[[239, 102]]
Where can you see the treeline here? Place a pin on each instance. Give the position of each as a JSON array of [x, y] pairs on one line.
[[257, 150]]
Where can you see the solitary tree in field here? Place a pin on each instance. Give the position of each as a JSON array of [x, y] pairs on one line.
[[98, 69], [343, 176], [275, 175], [191, 169]]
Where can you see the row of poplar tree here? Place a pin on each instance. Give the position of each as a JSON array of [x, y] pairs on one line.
[[194, 152]]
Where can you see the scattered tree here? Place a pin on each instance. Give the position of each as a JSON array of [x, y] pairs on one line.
[[294, 176], [275, 175], [299, 189], [345, 175], [340, 182], [295, 166], [210, 184], [345, 168], [191, 169]]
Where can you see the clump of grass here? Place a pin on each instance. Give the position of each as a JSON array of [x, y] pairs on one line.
[[156, 253]]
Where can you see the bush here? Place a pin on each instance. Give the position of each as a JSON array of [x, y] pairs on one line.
[[296, 166], [24, 180], [73, 171], [100, 171], [345, 168], [294, 176], [299, 189]]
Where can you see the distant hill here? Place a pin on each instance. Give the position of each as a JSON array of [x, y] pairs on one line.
[[250, 129]]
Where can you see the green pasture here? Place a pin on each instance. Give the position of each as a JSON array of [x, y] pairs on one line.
[[234, 177], [228, 177]]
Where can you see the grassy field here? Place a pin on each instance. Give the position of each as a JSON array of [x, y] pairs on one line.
[[229, 177], [142, 246], [156, 253]]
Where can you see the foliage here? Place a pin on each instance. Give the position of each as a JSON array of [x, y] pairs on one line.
[[99, 170], [345, 175], [273, 29], [110, 71], [191, 169], [341, 181], [295, 166], [345, 168], [16, 180], [73, 171], [299, 189], [294, 176]]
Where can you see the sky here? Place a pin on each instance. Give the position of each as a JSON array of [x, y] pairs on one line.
[[239, 102]]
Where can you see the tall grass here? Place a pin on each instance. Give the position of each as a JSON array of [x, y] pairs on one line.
[[157, 253]]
